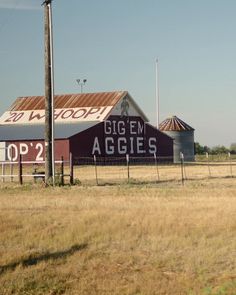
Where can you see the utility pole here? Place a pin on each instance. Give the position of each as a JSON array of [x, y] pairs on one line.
[[49, 95]]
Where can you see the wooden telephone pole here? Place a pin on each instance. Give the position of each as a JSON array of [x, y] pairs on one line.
[[49, 95]]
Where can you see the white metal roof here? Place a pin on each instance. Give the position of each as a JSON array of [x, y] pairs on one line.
[[27, 132]]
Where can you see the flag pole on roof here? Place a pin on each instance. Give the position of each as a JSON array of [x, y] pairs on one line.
[[49, 95]]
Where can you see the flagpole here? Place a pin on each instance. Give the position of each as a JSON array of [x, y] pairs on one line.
[[157, 95]]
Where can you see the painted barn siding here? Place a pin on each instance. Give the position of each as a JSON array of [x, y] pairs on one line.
[[126, 135], [2, 151], [164, 142], [62, 149], [81, 144], [33, 150], [115, 137], [118, 136]]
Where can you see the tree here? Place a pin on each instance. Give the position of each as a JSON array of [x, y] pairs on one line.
[[233, 148], [198, 149], [219, 149]]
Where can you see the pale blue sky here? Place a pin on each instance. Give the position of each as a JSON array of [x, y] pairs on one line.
[[114, 45]]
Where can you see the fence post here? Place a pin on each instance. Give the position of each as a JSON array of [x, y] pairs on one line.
[[95, 166], [71, 169], [127, 161], [11, 164], [185, 174], [182, 167], [3, 172], [157, 169], [230, 163], [208, 164], [62, 171], [20, 170]]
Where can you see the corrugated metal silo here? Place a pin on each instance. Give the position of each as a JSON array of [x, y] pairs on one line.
[[183, 136]]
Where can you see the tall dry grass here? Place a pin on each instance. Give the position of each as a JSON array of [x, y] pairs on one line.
[[127, 239]]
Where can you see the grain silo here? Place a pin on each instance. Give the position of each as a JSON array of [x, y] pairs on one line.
[[183, 136]]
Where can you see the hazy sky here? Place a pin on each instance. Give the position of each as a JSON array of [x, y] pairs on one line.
[[114, 45]]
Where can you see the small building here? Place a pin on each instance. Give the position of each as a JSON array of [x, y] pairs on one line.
[[107, 124], [183, 136]]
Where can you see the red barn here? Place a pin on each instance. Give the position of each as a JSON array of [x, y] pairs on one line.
[[107, 124]]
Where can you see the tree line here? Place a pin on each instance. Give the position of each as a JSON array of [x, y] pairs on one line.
[[216, 150]]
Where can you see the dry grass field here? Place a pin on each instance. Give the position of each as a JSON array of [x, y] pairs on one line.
[[152, 174], [156, 238]]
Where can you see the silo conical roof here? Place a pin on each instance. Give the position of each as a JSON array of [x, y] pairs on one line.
[[174, 124]]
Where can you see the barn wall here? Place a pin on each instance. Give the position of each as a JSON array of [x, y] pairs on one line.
[[119, 136], [2, 151], [124, 135], [115, 137], [81, 144], [33, 150], [164, 142], [62, 149]]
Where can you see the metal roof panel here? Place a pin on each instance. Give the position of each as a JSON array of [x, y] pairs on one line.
[[68, 101], [174, 124], [36, 132]]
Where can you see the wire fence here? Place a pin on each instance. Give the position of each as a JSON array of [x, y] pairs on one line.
[[101, 171], [111, 171]]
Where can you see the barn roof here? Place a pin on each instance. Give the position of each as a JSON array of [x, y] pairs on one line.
[[72, 108], [69, 101], [27, 132], [174, 124]]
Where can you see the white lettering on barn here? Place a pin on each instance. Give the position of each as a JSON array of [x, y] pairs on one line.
[[152, 143], [125, 137], [131, 145], [60, 115], [140, 145], [123, 145], [109, 146], [96, 147], [13, 150], [114, 127]]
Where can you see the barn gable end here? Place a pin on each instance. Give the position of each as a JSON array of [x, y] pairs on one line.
[[73, 108]]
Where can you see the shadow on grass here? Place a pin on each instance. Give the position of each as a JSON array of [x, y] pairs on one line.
[[136, 182], [156, 183], [35, 259]]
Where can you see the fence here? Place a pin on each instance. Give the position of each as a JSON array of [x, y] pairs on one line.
[[34, 171], [128, 169], [101, 171]]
